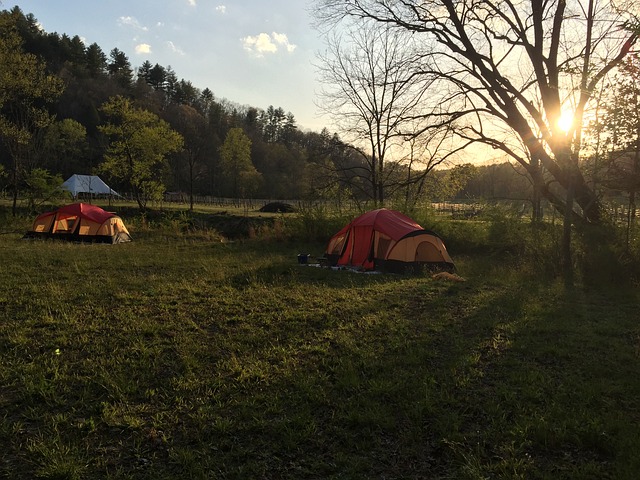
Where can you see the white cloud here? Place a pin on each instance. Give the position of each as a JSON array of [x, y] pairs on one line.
[[192, 3], [281, 39], [221, 9], [259, 44], [263, 43], [175, 49], [131, 22], [143, 48]]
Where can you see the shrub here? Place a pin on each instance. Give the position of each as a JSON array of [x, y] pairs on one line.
[[315, 223], [603, 256]]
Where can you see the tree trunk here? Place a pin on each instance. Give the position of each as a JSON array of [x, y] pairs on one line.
[[631, 213], [14, 205], [14, 185], [567, 260], [191, 186], [537, 184]]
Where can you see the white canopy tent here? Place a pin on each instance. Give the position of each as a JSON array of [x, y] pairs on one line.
[[91, 184]]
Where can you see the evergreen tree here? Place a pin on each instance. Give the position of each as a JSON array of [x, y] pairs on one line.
[[95, 61], [119, 68]]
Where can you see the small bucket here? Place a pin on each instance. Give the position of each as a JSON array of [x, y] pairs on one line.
[[303, 258]]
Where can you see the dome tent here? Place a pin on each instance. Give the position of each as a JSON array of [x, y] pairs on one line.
[[80, 222], [390, 241]]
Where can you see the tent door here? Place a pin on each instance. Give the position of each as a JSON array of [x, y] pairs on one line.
[[427, 252]]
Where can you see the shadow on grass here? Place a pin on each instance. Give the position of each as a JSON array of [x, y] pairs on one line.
[[266, 369], [469, 381]]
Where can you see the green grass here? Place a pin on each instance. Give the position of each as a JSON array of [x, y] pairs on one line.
[[181, 356]]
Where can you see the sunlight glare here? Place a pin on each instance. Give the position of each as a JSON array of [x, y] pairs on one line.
[[566, 121]]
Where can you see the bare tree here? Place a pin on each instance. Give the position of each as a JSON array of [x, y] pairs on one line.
[[520, 64], [376, 100]]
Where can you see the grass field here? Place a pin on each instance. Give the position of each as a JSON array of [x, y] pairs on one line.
[[182, 356]]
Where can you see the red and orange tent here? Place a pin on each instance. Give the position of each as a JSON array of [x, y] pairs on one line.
[[80, 222], [387, 240]]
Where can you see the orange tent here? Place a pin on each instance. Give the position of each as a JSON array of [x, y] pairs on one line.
[[80, 222], [387, 240]]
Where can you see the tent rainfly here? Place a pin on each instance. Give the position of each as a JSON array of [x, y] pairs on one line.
[[389, 241], [91, 184], [80, 222]]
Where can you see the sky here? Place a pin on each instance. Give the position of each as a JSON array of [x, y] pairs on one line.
[[251, 52]]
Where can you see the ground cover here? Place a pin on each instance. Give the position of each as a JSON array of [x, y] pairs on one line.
[[184, 356]]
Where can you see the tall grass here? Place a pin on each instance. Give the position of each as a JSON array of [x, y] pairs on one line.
[[183, 356]]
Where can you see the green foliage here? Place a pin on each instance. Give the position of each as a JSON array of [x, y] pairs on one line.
[[41, 185], [235, 161], [65, 145], [314, 223], [452, 181], [139, 143], [25, 91], [603, 255]]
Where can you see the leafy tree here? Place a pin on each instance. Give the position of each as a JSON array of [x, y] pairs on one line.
[[197, 144], [65, 147], [42, 185], [139, 143], [235, 161], [283, 170], [25, 90], [621, 129]]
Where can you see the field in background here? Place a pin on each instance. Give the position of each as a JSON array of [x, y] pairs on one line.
[[189, 354]]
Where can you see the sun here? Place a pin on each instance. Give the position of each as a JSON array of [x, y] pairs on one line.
[[565, 122]]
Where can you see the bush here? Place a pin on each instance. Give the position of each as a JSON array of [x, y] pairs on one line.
[[603, 256], [315, 223]]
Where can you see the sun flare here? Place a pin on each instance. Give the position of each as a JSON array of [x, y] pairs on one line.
[[565, 122]]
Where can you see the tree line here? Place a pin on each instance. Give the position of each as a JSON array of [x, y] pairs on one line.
[[67, 108]]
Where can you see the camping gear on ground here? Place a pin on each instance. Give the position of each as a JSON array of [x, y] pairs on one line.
[[80, 222], [390, 241], [303, 258], [91, 184]]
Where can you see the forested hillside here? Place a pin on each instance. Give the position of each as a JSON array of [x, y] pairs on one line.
[[55, 123]]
